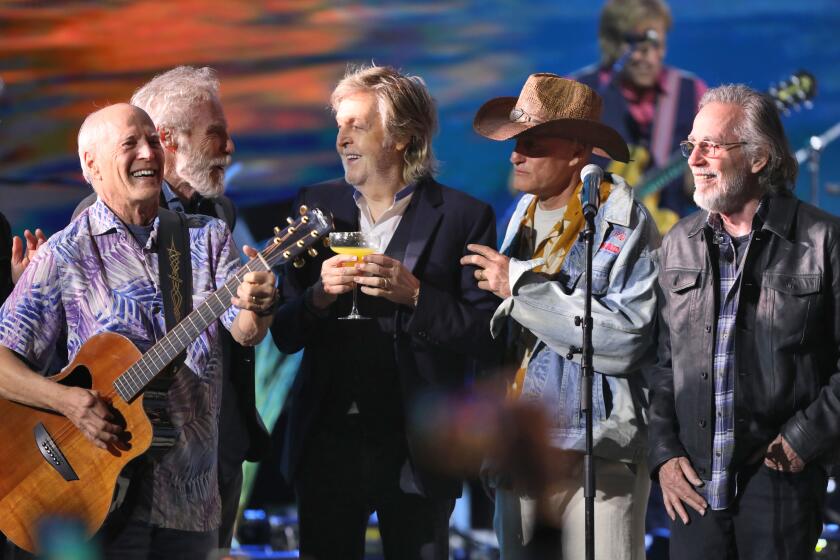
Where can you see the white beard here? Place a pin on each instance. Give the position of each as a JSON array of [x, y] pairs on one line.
[[197, 170], [731, 193]]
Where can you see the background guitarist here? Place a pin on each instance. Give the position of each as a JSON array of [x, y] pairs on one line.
[[101, 274], [650, 104]]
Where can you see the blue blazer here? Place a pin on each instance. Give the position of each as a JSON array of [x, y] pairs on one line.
[[436, 345]]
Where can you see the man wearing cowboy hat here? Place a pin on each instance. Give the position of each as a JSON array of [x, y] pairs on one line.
[[539, 274]]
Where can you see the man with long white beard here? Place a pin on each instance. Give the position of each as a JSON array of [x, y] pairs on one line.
[[744, 397], [185, 106]]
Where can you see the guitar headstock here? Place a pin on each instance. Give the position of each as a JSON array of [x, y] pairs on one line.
[[795, 92], [297, 237]]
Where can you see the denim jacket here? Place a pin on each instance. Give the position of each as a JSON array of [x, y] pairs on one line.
[[623, 313]]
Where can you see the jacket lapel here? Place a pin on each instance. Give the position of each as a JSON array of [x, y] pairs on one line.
[[426, 219], [345, 211]]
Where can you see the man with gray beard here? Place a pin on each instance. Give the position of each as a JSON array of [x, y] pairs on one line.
[[746, 392], [185, 106]]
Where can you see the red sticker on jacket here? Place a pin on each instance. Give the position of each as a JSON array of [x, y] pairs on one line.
[[607, 246]]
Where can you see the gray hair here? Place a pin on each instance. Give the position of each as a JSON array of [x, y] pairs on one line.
[[407, 110], [619, 17], [762, 130], [171, 98]]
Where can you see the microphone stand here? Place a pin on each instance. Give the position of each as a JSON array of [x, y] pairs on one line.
[[811, 155], [587, 371]]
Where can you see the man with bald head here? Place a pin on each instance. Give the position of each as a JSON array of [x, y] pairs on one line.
[[101, 274], [186, 107]]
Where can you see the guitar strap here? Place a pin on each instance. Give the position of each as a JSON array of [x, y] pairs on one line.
[[667, 103], [175, 280], [175, 271]]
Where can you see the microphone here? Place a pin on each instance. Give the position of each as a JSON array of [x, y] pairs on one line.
[[590, 194], [633, 42]]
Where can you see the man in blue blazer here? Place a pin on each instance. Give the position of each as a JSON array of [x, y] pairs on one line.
[[349, 447]]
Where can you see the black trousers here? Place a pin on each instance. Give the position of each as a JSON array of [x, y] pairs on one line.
[[776, 515], [139, 541], [349, 471], [229, 490]]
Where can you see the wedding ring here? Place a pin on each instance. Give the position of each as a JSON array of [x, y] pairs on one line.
[[253, 299], [481, 275], [387, 284]]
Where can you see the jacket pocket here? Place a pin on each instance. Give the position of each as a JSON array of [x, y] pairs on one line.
[[791, 301], [681, 287]]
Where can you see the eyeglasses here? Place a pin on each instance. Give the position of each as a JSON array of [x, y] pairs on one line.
[[707, 149]]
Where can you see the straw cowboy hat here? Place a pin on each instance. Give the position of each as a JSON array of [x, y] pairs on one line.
[[551, 106]]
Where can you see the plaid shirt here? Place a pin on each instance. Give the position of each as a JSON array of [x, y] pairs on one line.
[[722, 487]]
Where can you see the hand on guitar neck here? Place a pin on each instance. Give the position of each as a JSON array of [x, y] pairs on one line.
[[85, 408]]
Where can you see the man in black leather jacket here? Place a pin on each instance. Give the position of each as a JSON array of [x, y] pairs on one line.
[[745, 403]]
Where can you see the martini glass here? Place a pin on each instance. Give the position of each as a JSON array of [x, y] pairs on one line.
[[357, 244]]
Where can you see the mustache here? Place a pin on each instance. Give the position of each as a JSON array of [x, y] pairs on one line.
[[221, 161]]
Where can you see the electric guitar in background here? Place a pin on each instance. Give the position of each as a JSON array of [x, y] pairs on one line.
[[50, 469], [793, 93]]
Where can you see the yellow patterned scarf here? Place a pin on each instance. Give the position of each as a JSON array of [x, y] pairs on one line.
[[553, 250]]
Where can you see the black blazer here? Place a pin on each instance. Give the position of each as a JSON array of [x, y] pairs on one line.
[[435, 345], [242, 434]]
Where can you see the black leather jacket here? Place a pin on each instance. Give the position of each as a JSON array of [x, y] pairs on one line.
[[786, 347]]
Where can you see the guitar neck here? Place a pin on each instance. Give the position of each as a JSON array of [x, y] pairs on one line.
[[146, 369], [656, 180]]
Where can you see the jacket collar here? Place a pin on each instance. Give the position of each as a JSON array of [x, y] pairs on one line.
[[779, 216], [781, 212]]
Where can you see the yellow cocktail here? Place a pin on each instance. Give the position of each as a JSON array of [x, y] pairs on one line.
[[358, 252], [357, 244]]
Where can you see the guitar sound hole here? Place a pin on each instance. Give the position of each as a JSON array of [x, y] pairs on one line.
[[79, 377]]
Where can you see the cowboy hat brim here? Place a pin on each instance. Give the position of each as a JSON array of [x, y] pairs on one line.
[[493, 121]]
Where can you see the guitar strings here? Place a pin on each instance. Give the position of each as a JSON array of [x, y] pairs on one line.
[[277, 244]]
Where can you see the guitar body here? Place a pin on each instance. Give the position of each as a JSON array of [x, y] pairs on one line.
[[634, 173], [48, 468], [32, 487]]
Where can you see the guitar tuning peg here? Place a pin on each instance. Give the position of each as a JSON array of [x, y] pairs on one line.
[[298, 263], [277, 231], [290, 221], [312, 252], [303, 210]]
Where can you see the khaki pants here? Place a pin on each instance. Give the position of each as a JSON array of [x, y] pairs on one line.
[[620, 503]]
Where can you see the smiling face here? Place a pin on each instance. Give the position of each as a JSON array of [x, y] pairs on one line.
[[726, 181], [645, 63], [125, 160], [368, 157], [202, 154]]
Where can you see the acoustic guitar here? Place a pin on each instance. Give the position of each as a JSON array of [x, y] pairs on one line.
[[50, 469], [795, 92]]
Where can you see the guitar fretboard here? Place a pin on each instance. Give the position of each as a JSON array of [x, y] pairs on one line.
[[138, 376]]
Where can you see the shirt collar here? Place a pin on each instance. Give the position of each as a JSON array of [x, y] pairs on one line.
[[103, 220], [168, 194], [606, 75], [715, 223], [400, 195]]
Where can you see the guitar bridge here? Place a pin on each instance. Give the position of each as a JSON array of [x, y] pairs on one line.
[[52, 454]]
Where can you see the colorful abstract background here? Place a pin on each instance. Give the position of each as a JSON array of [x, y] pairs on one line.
[[278, 61]]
